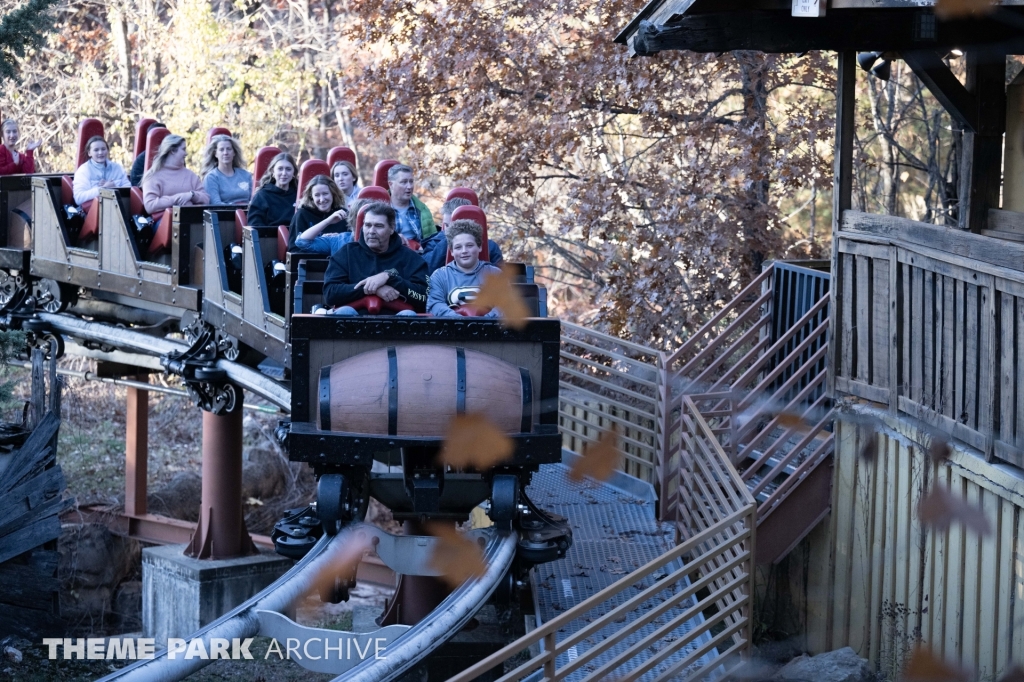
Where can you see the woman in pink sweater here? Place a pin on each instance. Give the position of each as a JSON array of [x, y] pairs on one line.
[[168, 183]]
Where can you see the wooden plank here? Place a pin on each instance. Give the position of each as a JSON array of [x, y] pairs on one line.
[[1007, 584], [880, 323], [958, 430], [955, 559], [846, 479], [868, 250], [940, 575], [991, 574], [969, 403], [916, 331], [902, 518], [961, 246], [917, 464], [972, 577], [31, 456], [895, 335], [32, 624], [875, 546], [876, 394], [1017, 601], [1019, 440], [959, 351], [948, 349], [863, 329], [928, 350], [861, 576], [1007, 221], [29, 495], [29, 537], [906, 328], [987, 363], [848, 329], [25, 585], [1008, 393], [892, 549]]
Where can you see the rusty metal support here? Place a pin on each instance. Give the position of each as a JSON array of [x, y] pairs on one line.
[[415, 595], [221, 533], [136, 465]]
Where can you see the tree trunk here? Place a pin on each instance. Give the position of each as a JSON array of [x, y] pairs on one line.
[[754, 211]]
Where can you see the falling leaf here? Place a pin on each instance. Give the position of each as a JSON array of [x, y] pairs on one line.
[[792, 421], [870, 449], [474, 441], [499, 291], [252, 501], [940, 508], [957, 9], [343, 564], [924, 666], [1014, 674], [939, 450], [455, 556], [599, 459]]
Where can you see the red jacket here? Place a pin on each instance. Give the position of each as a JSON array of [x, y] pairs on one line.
[[26, 164]]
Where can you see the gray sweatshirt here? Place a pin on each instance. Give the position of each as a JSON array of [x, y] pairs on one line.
[[450, 286], [224, 190]]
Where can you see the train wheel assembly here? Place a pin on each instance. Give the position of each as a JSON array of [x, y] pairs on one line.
[[51, 296], [9, 286]]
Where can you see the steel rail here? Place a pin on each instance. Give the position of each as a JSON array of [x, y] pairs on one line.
[[141, 385], [242, 621], [119, 337], [445, 621], [407, 650]]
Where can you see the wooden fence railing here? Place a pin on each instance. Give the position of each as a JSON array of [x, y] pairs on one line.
[[756, 370], [933, 324], [698, 594], [605, 381]]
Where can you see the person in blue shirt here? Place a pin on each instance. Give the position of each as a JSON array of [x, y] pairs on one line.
[[413, 219], [223, 172]]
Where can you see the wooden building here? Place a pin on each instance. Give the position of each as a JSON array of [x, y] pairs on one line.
[[927, 340]]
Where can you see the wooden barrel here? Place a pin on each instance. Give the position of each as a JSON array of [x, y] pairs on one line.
[[416, 390]]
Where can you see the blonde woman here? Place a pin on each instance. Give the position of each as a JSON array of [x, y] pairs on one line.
[[168, 183], [11, 161], [224, 176]]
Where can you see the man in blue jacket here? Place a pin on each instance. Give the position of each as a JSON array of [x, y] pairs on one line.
[[378, 264]]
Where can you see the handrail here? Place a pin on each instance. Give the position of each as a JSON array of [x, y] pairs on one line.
[[727, 537]]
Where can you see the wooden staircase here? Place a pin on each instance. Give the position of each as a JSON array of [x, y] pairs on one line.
[[756, 372]]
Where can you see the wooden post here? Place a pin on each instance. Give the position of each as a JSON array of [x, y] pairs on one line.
[[842, 193], [136, 463], [1013, 163], [982, 150]]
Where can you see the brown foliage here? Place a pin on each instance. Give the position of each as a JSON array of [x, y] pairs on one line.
[[941, 508], [648, 189]]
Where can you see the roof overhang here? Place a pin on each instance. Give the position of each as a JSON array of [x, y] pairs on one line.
[[855, 25]]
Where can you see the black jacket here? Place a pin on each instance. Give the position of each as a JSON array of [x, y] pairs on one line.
[[138, 169], [271, 206], [306, 218], [355, 261]]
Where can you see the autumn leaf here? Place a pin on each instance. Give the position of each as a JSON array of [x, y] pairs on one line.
[[939, 450], [956, 9], [343, 564], [869, 450], [924, 666], [789, 420], [474, 441], [940, 508], [455, 556], [499, 291], [599, 459]]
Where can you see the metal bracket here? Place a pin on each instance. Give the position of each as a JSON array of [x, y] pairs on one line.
[[543, 536], [207, 385]]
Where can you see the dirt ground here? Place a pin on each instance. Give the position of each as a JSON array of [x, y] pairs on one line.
[[91, 454]]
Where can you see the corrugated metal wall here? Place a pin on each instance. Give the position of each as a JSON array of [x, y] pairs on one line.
[[887, 579]]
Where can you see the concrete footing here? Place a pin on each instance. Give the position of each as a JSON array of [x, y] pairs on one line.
[[181, 594]]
